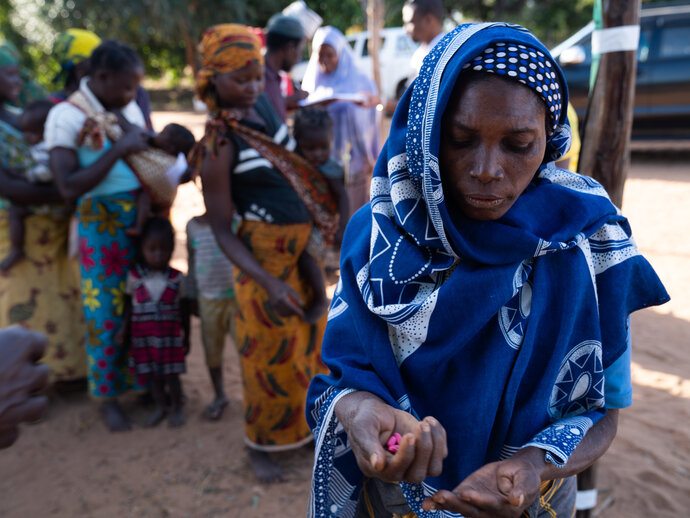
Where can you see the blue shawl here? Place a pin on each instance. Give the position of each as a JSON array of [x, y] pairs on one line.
[[499, 329]]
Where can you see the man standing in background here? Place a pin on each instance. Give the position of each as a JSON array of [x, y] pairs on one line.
[[284, 44], [423, 21]]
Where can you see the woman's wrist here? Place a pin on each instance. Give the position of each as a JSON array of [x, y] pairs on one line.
[[264, 279], [535, 459], [346, 407]]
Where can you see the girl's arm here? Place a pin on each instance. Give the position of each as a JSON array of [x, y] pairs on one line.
[[72, 181], [20, 191], [217, 189]]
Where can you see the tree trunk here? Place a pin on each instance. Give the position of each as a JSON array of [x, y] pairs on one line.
[[605, 151], [375, 13], [189, 47], [374, 26]]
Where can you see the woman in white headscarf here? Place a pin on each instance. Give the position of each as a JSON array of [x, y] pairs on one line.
[[332, 71]]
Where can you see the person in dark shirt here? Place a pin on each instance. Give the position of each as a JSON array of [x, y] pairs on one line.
[[284, 44]]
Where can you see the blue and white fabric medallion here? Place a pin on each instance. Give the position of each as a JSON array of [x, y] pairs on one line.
[[502, 330]]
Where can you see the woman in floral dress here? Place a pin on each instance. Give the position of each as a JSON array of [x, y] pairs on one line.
[[94, 175], [41, 292]]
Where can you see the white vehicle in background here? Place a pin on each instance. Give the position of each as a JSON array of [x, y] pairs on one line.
[[396, 50]]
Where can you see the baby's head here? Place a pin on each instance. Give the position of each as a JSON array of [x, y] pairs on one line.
[[33, 120], [156, 243], [313, 132], [174, 139]]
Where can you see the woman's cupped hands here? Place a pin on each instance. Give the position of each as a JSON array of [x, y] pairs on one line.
[[370, 423], [497, 490]]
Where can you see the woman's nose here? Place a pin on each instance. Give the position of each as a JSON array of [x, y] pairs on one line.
[[487, 167]]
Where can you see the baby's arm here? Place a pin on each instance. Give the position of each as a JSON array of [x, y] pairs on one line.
[[143, 213]]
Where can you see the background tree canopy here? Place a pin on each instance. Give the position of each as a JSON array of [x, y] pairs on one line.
[[165, 32]]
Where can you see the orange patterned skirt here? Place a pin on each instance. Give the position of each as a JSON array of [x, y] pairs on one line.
[[278, 355]]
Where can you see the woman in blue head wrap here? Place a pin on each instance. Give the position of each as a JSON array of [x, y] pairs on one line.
[[482, 310]]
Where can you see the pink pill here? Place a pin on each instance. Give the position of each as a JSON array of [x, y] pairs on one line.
[[393, 443]]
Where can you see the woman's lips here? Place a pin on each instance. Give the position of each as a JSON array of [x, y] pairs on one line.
[[483, 201]]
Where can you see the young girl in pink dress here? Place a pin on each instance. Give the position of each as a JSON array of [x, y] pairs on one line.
[[157, 320]]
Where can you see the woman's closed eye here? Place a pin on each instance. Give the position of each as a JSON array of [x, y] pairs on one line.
[[460, 141], [519, 146]]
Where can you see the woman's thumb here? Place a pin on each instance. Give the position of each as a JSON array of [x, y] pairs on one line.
[[505, 484]]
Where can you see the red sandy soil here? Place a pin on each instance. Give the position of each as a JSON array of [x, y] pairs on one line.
[[68, 465]]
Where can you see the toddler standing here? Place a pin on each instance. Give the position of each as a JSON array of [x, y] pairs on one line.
[[156, 319], [210, 282]]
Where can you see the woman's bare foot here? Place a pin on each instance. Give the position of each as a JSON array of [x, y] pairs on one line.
[[156, 416], [214, 411], [177, 418], [114, 418], [14, 257], [314, 312], [265, 468]]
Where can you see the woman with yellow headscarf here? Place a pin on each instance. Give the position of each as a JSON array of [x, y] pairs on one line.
[[72, 50], [248, 168]]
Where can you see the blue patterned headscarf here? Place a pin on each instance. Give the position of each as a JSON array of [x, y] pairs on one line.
[[502, 330], [526, 65]]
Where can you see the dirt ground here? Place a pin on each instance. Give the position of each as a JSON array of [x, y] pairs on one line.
[[68, 465]]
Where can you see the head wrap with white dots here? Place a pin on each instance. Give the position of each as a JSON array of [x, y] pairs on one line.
[[527, 65]]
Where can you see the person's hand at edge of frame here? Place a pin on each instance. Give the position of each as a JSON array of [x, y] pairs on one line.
[[21, 380], [369, 423]]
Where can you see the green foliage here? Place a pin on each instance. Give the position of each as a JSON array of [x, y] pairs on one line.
[[341, 14], [165, 32]]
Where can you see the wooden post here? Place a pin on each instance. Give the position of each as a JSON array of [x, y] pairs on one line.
[[605, 151], [375, 17]]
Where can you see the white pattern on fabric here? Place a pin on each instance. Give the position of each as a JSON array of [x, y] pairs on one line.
[[567, 435], [610, 246], [574, 181], [512, 318], [332, 498], [580, 380], [338, 305]]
